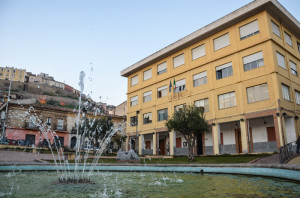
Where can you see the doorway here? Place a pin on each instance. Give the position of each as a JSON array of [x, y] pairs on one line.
[[200, 144], [30, 139], [162, 147]]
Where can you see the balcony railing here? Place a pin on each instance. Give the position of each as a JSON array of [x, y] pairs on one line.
[[287, 152]]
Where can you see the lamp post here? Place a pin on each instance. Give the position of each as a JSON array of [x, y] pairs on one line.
[[6, 110], [136, 132]]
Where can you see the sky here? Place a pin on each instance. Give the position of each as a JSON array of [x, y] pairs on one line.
[[100, 37]]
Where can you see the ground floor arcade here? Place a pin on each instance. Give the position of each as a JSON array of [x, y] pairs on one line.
[[255, 132]]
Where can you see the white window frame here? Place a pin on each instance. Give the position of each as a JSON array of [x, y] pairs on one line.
[[286, 92], [164, 114], [297, 96], [203, 103], [149, 116], [178, 60], [198, 52], [60, 124], [275, 29], [288, 39], [225, 67], [162, 68], [200, 79], [281, 60], [179, 107], [147, 74], [163, 90], [249, 29], [293, 67], [147, 96], [253, 61], [227, 100], [134, 101], [221, 41], [180, 86], [257, 93], [134, 80]]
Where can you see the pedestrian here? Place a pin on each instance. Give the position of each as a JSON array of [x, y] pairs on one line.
[[298, 144]]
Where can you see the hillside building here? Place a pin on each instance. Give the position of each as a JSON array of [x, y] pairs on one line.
[[7, 73]]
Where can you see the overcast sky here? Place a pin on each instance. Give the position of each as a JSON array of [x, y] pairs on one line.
[[64, 37]]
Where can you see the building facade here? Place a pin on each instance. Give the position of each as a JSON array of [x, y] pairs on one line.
[[242, 68], [7, 73]]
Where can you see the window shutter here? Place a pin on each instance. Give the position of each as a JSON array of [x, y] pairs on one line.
[[280, 59], [288, 39], [134, 80], [253, 57], [178, 60], [162, 88], [162, 66], [147, 74], [223, 66], [200, 75], [198, 52], [180, 83], [275, 29], [148, 93], [221, 42], [249, 29]]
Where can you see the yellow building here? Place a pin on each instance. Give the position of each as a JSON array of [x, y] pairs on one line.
[[242, 68], [7, 73]]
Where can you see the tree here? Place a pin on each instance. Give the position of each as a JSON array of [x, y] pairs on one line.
[[190, 122], [94, 130], [119, 139]]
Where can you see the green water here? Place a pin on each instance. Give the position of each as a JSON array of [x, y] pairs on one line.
[[107, 184]]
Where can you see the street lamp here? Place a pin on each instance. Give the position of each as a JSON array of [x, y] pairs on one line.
[[136, 132]]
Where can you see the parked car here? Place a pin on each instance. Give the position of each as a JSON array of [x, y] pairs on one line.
[[23, 142], [4, 141]]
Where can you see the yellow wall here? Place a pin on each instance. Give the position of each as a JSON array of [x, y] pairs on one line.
[[270, 73], [11, 73]]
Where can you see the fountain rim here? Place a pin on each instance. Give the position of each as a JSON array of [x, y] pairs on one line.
[[282, 171]]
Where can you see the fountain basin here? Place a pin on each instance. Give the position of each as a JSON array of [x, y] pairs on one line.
[[254, 170]]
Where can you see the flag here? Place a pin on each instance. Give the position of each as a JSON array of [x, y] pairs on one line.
[[174, 84], [170, 86]]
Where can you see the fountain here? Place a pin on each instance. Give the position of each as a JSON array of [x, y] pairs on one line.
[[132, 180]]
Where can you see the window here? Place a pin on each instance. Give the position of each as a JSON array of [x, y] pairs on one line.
[[288, 39], [60, 124], [285, 92], [178, 60], [293, 68], [180, 86], [203, 103], [20, 72], [20, 77], [200, 79], [162, 91], [133, 101], [280, 60], [147, 118], [227, 100], [48, 121], [134, 80], [198, 52], [147, 74], [1, 74], [162, 114], [257, 93], [32, 122], [249, 29], [224, 71], [147, 96], [13, 75], [14, 71], [253, 61], [297, 94], [275, 29], [162, 68], [179, 107], [298, 45], [133, 121], [221, 41]]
